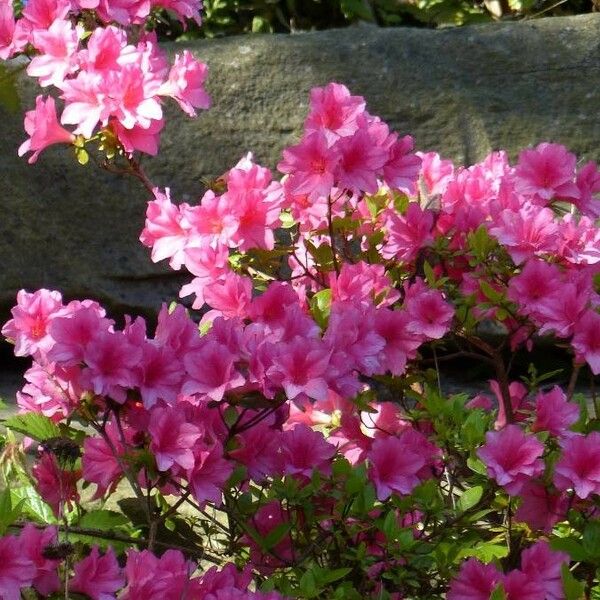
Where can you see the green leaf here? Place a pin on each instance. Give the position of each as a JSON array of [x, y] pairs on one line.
[[355, 9], [486, 551], [329, 576], [276, 535], [571, 546], [33, 425], [591, 539], [470, 498], [574, 590], [498, 593], [103, 520], [489, 292], [476, 466], [308, 585], [8, 513], [32, 504], [320, 307]]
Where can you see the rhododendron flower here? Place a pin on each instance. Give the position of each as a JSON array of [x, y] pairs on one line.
[[303, 450], [435, 172], [334, 111], [579, 465], [554, 413], [186, 83], [172, 438], [537, 280], [258, 451], [540, 507], [57, 486], [34, 542], [428, 314], [521, 586], [512, 457], [586, 340], [28, 328], [159, 375], [311, 165], [211, 371], [17, 570], [99, 577], [475, 581], [153, 578], [401, 171], [209, 474], [394, 467], [7, 29], [229, 296], [588, 184], [546, 172], [543, 565], [408, 233]]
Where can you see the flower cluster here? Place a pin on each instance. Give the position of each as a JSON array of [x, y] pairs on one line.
[[299, 416]]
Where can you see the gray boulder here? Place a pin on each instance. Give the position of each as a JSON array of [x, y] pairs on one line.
[[461, 91]]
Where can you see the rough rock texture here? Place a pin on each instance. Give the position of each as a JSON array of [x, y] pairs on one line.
[[461, 91]]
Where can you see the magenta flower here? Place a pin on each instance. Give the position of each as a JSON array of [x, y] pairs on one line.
[[554, 413], [99, 577], [543, 565], [512, 457], [521, 586], [172, 438], [401, 171], [407, 233], [475, 581], [541, 508], [159, 375], [429, 314], [546, 172], [579, 465], [17, 570], [209, 474], [56, 486], [7, 29], [34, 541], [303, 450], [586, 340], [435, 172]]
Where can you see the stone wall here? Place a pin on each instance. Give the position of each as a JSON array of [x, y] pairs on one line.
[[462, 91]]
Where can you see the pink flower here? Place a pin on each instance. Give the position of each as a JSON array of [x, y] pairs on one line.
[[99, 577], [209, 474], [33, 542], [400, 342], [546, 172], [144, 139], [435, 172], [579, 465], [429, 314], [394, 466], [512, 458], [406, 234], [186, 83], [521, 586], [7, 29], [361, 160], [560, 311], [586, 341], [172, 438], [257, 450], [43, 129], [230, 296], [152, 578], [554, 413], [17, 570], [55, 485], [588, 184], [40, 14], [527, 232], [159, 375], [301, 367], [543, 565], [311, 165], [110, 363], [211, 371], [540, 508], [28, 328], [475, 581], [401, 171], [334, 111], [57, 46], [303, 450], [537, 280], [362, 282]]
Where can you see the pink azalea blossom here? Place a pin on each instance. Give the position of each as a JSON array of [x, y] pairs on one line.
[[211, 371], [57, 486], [400, 342], [186, 83], [362, 282], [475, 581], [17, 570], [588, 184], [159, 375], [31, 317], [518, 585], [579, 465], [546, 172], [541, 508], [209, 474], [304, 450], [586, 340], [512, 457], [7, 29], [435, 172], [229, 296], [554, 413], [172, 438], [257, 450], [536, 280], [99, 577], [428, 313], [34, 542], [144, 139], [542, 564], [401, 171], [408, 233]]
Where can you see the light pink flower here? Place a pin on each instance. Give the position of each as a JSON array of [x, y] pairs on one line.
[[554, 413], [304, 450], [428, 313], [408, 233], [586, 341], [401, 171], [99, 577], [512, 457], [435, 172], [7, 29]]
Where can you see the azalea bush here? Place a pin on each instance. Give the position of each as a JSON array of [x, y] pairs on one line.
[[289, 434]]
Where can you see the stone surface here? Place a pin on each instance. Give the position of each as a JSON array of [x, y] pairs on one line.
[[461, 91]]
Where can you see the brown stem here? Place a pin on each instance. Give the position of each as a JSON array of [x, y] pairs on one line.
[[573, 380]]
